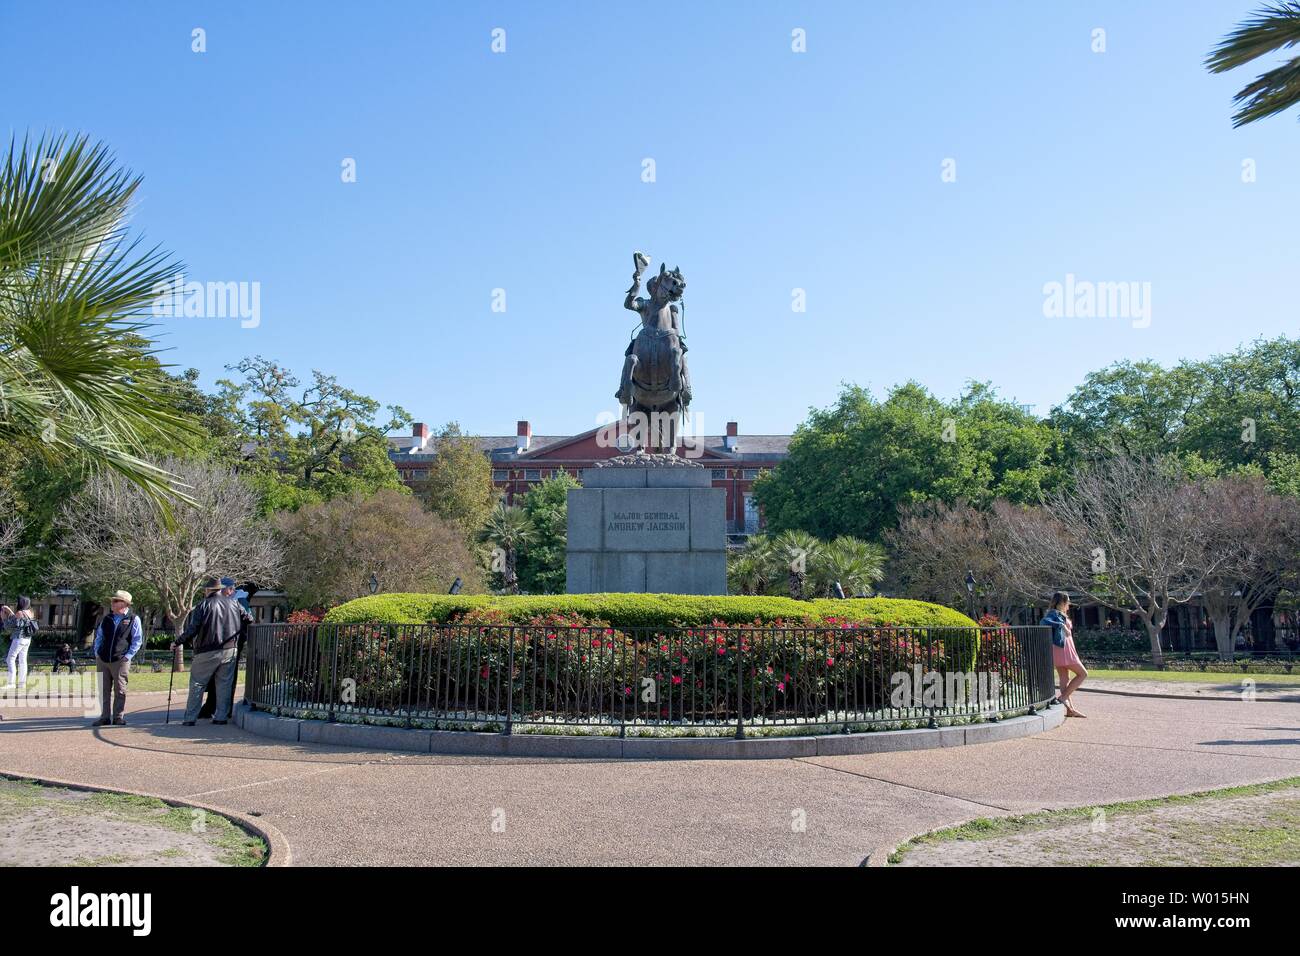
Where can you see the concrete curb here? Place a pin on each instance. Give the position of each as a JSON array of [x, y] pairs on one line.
[[1136, 693], [637, 748], [277, 847]]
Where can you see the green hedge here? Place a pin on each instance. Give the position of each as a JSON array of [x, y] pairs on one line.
[[648, 610]]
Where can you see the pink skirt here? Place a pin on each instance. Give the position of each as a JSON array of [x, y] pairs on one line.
[[1067, 656]]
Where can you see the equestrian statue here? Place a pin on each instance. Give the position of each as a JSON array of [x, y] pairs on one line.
[[655, 390]]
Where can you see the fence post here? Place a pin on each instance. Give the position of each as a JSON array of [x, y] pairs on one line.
[[334, 667], [510, 684], [740, 688]]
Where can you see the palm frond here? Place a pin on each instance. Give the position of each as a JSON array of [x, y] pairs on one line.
[[1275, 27], [75, 384]]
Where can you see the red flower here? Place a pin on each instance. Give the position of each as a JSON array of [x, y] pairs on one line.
[[676, 679]]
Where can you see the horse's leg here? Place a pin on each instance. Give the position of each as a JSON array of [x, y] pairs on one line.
[[624, 393]]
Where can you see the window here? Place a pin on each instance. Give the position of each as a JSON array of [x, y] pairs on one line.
[[751, 473], [419, 473], [577, 473], [500, 475], [532, 474], [719, 474]]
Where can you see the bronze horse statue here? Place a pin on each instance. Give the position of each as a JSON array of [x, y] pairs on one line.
[[655, 390]]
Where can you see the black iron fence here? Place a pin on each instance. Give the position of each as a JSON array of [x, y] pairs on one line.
[[710, 679]]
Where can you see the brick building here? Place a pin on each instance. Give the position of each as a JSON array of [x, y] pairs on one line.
[[523, 459]]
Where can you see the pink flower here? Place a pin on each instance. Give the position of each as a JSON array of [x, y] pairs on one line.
[[676, 679], [781, 686]]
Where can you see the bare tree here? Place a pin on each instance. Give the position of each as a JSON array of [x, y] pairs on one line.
[[11, 530], [116, 536], [936, 544], [1130, 535], [1255, 541], [332, 549]]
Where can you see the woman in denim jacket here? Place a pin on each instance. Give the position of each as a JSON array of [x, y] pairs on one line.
[[1064, 657]]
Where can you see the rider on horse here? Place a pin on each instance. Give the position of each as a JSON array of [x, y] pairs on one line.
[[654, 369]]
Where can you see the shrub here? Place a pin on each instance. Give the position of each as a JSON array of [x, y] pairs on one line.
[[648, 610], [578, 654], [1111, 642]]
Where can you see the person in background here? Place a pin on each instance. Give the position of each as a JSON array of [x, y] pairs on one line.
[[118, 637], [209, 708], [1064, 657], [63, 658], [22, 627], [214, 628]]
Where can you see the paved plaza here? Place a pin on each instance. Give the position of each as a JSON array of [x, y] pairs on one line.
[[336, 806]]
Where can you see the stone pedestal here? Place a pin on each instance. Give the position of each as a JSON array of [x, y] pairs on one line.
[[647, 529]]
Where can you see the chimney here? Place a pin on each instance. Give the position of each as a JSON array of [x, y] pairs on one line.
[[420, 432], [523, 437], [733, 436]]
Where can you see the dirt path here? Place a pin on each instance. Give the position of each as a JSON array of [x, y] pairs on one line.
[[54, 826]]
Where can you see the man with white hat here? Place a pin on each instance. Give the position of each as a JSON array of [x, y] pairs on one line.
[[118, 637]]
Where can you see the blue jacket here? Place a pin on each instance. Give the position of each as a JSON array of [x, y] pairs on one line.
[[1056, 621]]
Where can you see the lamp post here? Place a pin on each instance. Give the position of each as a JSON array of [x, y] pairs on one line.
[[970, 594], [374, 584]]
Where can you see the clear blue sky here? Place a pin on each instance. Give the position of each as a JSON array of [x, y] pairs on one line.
[[775, 171]]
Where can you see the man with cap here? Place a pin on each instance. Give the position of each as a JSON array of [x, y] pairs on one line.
[[214, 628], [118, 637]]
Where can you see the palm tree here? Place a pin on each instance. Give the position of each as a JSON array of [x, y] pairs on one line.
[[795, 552], [509, 529], [76, 382], [856, 564], [1273, 28]]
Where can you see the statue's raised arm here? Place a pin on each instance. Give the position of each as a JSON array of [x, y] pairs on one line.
[[639, 262]]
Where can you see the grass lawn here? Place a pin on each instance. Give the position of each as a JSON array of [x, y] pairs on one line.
[[1195, 677], [58, 826], [140, 680], [1254, 825]]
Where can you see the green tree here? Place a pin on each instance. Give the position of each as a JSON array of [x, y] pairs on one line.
[[852, 465], [1235, 412], [75, 385], [459, 486], [542, 564], [1274, 28], [301, 444]]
